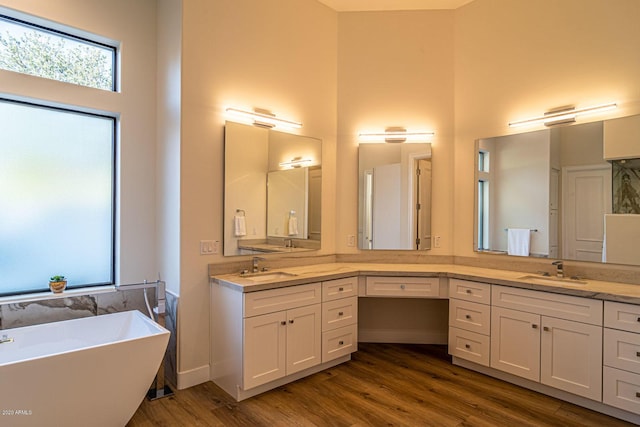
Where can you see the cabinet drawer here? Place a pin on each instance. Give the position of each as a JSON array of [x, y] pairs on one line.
[[340, 312], [622, 350], [469, 346], [470, 316], [339, 288], [272, 300], [403, 287], [621, 389], [339, 342], [567, 307], [623, 316], [470, 291]]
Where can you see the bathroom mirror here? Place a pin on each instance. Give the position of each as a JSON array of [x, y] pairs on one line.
[[550, 193], [272, 191], [394, 196]]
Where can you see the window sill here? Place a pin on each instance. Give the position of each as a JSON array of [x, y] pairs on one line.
[[41, 296]]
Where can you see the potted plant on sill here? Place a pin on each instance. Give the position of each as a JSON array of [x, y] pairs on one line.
[[57, 284]]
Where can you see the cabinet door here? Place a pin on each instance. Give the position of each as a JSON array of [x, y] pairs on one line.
[[515, 342], [304, 334], [571, 357], [264, 349]]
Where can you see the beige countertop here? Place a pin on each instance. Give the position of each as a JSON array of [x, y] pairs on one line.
[[609, 291]]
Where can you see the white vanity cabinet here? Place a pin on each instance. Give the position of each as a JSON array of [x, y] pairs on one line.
[[402, 287], [286, 339], [469, 320], [621, 375], [548, 338], [267, 338], [280, 343], [339, 318]]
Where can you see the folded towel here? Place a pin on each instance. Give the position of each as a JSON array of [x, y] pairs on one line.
[[239, 226], [293, 225], [518, 240]]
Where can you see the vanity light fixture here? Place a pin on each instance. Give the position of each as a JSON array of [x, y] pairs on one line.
[[563, 115], [262, 118], [396, 135], [296, 162]]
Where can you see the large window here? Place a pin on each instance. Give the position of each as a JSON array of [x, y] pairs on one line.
[[57, 197], [32, 49]]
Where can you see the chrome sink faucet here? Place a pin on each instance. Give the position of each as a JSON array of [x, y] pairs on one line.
[[559, 268], [254, 263]]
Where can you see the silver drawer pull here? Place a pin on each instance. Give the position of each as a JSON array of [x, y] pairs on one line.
[[534, 326], [340, 289], [402, 286], [341, 342]]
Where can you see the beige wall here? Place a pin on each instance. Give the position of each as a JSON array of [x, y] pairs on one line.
[[395, 69], [516, 59], [274, 54]]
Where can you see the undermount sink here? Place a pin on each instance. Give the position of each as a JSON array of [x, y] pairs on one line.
[[554, 280], [268, 276]]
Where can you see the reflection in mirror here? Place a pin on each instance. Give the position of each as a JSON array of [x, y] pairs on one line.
[[272, 191], [548, 194], [394, 196]]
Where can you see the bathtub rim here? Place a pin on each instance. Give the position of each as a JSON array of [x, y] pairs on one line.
[[136, 313]]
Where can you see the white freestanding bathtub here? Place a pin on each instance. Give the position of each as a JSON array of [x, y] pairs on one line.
[[93, 371]]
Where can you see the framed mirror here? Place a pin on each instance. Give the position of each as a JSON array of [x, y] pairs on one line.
[[272, 191], [550, 193], [394, 196]]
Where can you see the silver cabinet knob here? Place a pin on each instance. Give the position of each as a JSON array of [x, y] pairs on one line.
[[402, 286]]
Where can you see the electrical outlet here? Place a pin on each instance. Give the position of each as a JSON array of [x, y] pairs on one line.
[[208, 247], [436, 241], [351, 240]]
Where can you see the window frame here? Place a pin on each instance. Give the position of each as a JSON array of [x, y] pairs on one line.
[[114, 188], [74, 37]]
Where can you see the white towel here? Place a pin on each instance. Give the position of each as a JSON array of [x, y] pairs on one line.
[[239, 226], [518, 240], [293, 225]]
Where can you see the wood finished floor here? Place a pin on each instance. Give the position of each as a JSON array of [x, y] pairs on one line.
[[383, 385]]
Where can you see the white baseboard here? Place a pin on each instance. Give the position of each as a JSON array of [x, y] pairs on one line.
[[402, 336], [193, 377]]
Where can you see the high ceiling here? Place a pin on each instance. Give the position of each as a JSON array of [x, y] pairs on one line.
[[363, 5]]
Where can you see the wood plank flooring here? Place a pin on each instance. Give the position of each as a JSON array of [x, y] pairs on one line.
[[383, 385]]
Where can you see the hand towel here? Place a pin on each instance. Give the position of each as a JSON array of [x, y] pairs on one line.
[[293, 225], [239, 226], [518, 240]]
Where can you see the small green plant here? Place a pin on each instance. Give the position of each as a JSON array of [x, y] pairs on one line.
[[57, 278]]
